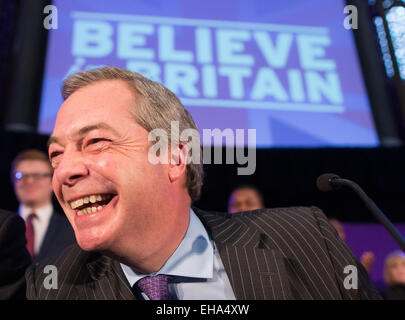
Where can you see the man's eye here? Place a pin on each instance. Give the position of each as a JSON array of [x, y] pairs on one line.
[[54, 154], [92, 141], [96, 141]]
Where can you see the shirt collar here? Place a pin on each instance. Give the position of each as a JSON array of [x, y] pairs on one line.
[[194, 257], [43, 213]]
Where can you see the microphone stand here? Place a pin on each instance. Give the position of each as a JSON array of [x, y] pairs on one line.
[[381, 217]]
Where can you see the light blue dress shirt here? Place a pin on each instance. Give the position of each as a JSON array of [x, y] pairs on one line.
[[196, 265]]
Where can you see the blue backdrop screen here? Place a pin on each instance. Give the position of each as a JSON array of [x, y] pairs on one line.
[[289, 70]]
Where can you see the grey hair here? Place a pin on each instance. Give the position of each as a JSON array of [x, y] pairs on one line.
[[156, 108]]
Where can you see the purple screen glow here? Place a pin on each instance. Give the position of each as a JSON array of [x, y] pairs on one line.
[[289, 71]]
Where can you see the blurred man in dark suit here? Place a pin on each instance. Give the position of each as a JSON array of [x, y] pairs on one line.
[[14, 257], [138, 236], [48, 232]]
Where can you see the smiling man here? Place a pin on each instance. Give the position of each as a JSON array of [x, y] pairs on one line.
[[137, 235]]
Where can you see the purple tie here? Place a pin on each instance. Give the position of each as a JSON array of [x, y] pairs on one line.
[[155, 287]]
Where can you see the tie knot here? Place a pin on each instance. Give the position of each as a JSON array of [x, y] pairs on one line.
[[155, 287], [31, 216]]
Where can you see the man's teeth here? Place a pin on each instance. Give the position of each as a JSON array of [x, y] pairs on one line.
[[90, 210], [89, 199]]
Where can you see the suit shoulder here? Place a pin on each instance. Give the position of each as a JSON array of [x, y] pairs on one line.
[[67, 265], [11, 220], [65, 259], [293, 219], [14, 257], [311, 214], [12, 232], [4, 214]]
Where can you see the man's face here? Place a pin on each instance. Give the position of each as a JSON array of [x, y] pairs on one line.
[[99, 153], [397, 269], [244, 200], [339, 228], [34, 189]]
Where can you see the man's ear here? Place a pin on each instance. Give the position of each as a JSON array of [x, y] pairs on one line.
[[178, 161]]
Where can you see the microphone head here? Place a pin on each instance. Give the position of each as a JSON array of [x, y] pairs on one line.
[[324, 181]]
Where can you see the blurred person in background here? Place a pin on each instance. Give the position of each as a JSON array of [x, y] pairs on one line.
[[245, 198], [394, 276], [367, 258], [48, 232]]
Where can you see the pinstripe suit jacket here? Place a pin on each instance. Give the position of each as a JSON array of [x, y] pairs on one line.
[[284, 253]]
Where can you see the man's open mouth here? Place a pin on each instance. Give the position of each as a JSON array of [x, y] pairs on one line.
[[91, 203]]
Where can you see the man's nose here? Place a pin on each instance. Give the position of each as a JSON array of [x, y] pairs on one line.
[[71, 168]]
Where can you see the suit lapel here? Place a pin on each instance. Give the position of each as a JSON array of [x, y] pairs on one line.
[[105, 280], [255, 271], [255, 274]]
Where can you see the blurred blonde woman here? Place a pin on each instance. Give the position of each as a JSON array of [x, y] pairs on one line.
[[394, 276]]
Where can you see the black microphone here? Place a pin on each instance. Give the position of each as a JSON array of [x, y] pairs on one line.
[[330, 181]]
